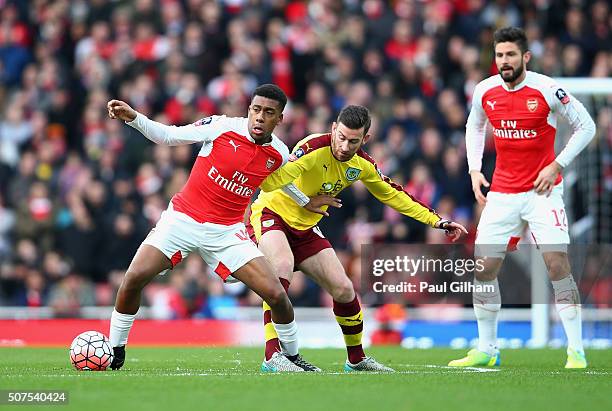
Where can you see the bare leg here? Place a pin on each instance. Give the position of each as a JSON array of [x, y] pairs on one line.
[[567, 297], [491, 269], [558, 265], [258, 275], [275, 246], [146, 264], [326, 270]]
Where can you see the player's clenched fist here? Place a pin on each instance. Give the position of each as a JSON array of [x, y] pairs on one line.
[[121, 110]]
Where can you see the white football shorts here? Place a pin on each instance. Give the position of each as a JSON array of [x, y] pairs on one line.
[[506, 215], [224, 248]]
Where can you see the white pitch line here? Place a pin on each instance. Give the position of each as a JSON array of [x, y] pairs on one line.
[[231, 374], [417, 369]]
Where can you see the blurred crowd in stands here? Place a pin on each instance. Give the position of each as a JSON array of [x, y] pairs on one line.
[[79, 191]]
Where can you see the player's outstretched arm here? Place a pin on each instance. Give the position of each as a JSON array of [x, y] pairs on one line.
[[478, 181], [395, 197], [157, 132]]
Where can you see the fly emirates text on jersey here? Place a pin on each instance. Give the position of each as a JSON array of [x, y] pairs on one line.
[[508, 130], [236, 185]]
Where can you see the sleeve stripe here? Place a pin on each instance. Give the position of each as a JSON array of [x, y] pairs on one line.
[[316, 143], [361, 153]]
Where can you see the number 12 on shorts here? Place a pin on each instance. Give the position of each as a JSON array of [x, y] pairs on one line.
[[560, 217]]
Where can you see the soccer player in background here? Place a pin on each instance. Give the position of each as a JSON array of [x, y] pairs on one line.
[[206, 216], [522, 107], [323, 165]]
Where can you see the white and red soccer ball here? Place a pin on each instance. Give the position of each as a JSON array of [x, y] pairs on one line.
[[91, 351]]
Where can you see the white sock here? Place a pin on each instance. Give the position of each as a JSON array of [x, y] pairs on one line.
[[567, 301], [287, 336], [486, 308], [120, 328]]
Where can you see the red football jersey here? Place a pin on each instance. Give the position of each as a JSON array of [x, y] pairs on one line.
[[229, 168], [524, 122]]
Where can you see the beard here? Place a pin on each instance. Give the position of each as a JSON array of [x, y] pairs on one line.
[[513, 75]]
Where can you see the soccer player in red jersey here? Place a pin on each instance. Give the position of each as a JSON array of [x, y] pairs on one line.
[[522, 108], [206, 216]]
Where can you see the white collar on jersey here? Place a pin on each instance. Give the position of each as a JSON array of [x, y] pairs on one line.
[[519, 85]]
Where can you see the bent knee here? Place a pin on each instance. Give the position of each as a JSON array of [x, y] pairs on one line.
[[558, 270], [137, 278], [277, 297], [283, 267], [487, 274], [343, 292]]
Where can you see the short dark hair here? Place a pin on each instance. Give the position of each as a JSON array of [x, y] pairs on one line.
[[273, 92], [513, 35], [355, 117]]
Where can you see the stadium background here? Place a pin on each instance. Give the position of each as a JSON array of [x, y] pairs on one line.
[[79, 192]]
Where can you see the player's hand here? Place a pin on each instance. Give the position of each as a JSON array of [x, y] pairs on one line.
[[453, 230], [121, 110], [545, 182], [479, 180], [317, 203]]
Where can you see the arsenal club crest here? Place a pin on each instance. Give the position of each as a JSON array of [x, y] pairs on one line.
[[532, 104], [270, 163]]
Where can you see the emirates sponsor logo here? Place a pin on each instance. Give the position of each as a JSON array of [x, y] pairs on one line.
[[532, 104], [236, 185], [509, 130]]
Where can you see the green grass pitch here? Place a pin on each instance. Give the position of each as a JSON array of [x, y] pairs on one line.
[[179, 379]]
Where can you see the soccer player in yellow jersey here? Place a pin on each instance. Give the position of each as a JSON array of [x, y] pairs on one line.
[[288, 235]]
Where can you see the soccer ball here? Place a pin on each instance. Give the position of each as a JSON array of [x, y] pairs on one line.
[[91, 351]]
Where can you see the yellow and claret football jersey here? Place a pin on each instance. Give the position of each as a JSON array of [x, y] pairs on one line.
[[314, 170]]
